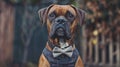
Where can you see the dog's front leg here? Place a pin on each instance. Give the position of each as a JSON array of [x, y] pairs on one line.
[[43, 62], [79, 62]]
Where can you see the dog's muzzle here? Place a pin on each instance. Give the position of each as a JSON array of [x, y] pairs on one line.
[[60, 28]]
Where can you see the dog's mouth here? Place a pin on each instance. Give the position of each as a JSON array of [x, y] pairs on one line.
[[60, 32]]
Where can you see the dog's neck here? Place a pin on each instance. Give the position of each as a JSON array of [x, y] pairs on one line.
[[63, 43]]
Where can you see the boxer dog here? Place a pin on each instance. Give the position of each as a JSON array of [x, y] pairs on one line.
[[61, 21]]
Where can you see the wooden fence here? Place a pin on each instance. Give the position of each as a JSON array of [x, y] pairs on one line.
[[101, 53], [6, 33]]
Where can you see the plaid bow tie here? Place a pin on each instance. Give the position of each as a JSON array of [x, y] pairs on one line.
[[58, 51]]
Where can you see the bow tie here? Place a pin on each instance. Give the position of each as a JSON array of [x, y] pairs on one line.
[[58, 51]]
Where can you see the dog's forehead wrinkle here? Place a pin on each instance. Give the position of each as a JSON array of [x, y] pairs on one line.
[[62, 9]]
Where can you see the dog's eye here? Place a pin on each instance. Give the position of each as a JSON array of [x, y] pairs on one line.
[[52, 15], [70, 15]]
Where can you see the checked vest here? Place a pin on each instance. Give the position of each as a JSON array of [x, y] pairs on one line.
[[62, 60]]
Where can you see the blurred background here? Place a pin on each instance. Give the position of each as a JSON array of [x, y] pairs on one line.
[[22, 37]]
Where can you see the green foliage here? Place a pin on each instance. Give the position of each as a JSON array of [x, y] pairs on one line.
[[73, 2], [35, 1], [30, 64]]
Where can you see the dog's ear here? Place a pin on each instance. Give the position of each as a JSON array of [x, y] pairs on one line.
[[43, 13], [80, 15]]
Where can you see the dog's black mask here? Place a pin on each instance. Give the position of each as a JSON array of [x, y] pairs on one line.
[[60, 28]]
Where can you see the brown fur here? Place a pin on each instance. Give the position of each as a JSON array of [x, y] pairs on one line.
[[61, 10]]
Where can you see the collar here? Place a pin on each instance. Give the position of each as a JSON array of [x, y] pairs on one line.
[[50, 45]]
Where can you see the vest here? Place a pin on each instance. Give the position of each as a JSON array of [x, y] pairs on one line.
[[62, 60]]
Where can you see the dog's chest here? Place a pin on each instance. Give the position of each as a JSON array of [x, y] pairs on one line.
[[62, 60]]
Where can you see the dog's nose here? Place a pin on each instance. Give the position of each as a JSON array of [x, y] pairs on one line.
[[60, 20]]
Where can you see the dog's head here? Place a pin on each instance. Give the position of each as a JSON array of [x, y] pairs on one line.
[[61, 20]]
